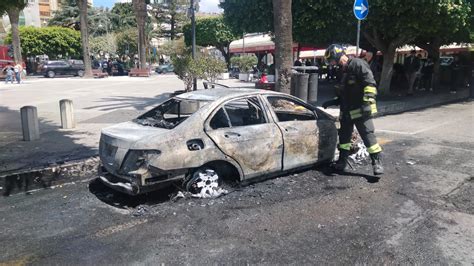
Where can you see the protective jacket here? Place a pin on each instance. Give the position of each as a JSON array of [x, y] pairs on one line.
[[357, 91]]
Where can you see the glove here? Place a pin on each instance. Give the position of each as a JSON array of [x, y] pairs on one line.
[[326, 104], [366, 110]]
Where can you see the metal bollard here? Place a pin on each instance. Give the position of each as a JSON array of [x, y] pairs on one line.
[[67, 114], [301, 85], [313, 88], [29, 123]]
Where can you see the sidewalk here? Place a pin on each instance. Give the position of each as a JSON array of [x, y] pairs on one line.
[[57, 145]]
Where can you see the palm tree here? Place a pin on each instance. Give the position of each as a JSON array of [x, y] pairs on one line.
[[282, 23], [13, 9], [83, 5], [141, 13]]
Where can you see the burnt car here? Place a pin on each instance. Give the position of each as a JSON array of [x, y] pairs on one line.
[[204, 136]]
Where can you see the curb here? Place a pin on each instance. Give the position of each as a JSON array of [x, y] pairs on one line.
[[27, 179], [402, 107]]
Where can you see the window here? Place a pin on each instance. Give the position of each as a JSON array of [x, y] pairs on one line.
[[290, 110], [219, 120], [242, 112], [170, 113]]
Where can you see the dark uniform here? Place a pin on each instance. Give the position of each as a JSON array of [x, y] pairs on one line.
[[356, 96]]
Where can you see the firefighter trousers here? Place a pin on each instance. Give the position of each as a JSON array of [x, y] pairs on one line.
[[365, 126]]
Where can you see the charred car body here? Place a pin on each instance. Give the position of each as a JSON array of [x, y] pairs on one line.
[[204, 136]]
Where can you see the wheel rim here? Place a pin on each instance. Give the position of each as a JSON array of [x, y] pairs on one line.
[[51, 74], [204, 183], [80, 73]]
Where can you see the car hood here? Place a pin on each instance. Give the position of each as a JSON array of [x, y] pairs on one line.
[[132, 132]]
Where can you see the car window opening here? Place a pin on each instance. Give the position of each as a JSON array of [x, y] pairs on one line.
[[290, 110], [170, 113], [242, 112]]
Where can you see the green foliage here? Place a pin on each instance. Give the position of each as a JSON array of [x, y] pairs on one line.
[[173, 13], [245, 62], [123, 16], [5, 5], [212, 67], [185, 69], [211, 31], [174, 47], [67, 15], [52, 41], [127, 40], [248, 15], [105, 43], [203, 67]]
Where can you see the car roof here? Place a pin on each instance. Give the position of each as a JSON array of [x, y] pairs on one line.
[[223, 93]]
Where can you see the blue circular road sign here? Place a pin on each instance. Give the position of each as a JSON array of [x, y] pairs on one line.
[[361, 9]]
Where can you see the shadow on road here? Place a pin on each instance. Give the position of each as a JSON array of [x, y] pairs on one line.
[[328, 171], [121, 102], [124, 201]]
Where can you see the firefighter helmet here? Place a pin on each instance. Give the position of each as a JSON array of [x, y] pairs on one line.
[[334, 52]]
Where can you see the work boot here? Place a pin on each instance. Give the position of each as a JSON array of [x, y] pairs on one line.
[[377, 163], [342, 164]]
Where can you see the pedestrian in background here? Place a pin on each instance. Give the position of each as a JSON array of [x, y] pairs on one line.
[[18, 70], [412, 64], [455, 69], [427, 74], [9, 74]]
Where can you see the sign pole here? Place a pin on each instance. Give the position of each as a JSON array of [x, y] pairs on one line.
[[358, 38], [361, 10]]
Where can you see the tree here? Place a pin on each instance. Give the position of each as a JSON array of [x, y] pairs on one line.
[[106, 43], [248, 15], [244, 62], [435, 32], [204, 67], [212, 31], [55, 42], [123, 16], [83, 5], [283, 44], [13, 9], [67, 15], [139, 6], [389, 25], [127, 41], [173, 13]]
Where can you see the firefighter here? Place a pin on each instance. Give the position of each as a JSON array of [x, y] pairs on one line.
[[356, 97]]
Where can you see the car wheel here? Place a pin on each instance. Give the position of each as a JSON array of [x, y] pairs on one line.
[[164, 71], [204, 183], [80, 73], [51, 74]]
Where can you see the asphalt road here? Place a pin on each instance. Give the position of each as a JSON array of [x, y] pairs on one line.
[[420, 212]]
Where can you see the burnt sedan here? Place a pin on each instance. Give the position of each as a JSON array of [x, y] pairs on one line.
[[206, 136]]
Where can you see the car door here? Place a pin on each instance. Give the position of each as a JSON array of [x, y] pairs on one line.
[[243, 131], [298, 124], [62, 68]]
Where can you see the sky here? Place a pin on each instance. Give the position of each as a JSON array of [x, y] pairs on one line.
[[205, 5]]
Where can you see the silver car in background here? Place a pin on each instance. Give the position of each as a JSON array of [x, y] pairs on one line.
[[206, 136]]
